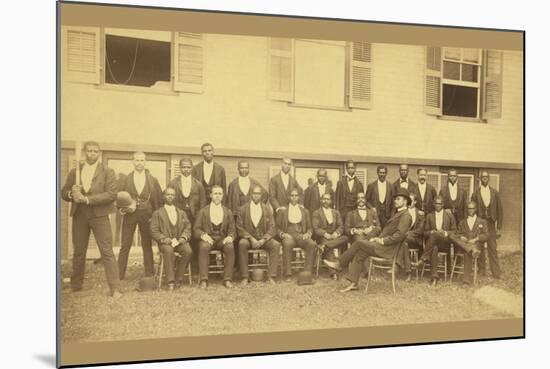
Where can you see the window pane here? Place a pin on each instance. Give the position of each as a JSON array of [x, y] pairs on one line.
[[469, 72], [460, 101], [451, 70], [452, 53], [470, 55], [135, 61]]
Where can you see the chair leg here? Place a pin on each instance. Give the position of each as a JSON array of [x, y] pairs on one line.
[[369, 277], [475, 270], [318, 263], [422, 272], [161, 270], [189, 272], [416, 260], [453, 267], [393, 278], [445, 267]]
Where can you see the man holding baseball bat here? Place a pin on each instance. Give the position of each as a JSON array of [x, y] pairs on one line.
[[91, 188]]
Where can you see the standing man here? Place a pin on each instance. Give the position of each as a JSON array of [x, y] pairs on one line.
[[208, 172], [280, 186], [404, 181], [295, 230], [256, 228], [328, 230], [146, 192], [91, 202], [240, 189], [472, 233], [454, 196], [489, 208], [440, 226], [171, 229], [379, 195], [425, 192], [313, 194], [362, 223], [190, 194], [385, 245], [215, 227], [347, 190]]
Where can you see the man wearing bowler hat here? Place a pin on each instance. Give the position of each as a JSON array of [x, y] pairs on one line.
[[91, 202], [385, 245], [145, 191]]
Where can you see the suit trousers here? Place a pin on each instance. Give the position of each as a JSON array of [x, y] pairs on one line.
[[273, 249], [435, 243], [410, 243], [307, 245], [340, 243], [491, 251], [355, 257], [466, 248], [85, 222], [169, 256], [228, 257], [141, 219]]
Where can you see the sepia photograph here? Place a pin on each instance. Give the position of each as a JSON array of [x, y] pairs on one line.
[[250, 186]]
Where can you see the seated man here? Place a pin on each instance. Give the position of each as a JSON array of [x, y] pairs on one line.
[[362, 222], [385, 245], [172, 231], [415, 237], [256, 228], [328, 230], [215, 227], [440, 226], [295, 231], [472, 233]]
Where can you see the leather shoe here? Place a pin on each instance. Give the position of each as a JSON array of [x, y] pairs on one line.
[[228, 284], [334, 277], [116, 294], [352, 287], [434, 282], [408, 278], [332, 264], [288, 279], [203, 285], [271, 281], [244, 282], [170, 286]]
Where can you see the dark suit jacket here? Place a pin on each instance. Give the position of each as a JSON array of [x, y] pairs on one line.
[[320, 224], [411, 185], [343, 194], [480, 229], [160, 225], [197, 196], [426, 204], [449, 223], [312, 197], [234, 192], [203, 224], [393, 234], [266, 227], [353, 219], [461, 201], [282, 221], [217, 178], [154, 186], [102, 193], [278, 196], [372, 198], [417, 228], [494, 211]]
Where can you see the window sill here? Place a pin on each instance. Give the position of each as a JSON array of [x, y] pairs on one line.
[[307, 106], [157, 90], [461, 119]]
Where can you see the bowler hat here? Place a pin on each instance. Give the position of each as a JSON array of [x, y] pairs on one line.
[[403, 192], [258, 275], [305, 277], [124, 200], [147, 284]]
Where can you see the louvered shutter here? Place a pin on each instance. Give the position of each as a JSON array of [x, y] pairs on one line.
[[175, 168], [360, 75], [434, 179], [492, 84], [361, 174], [465, 181], [432, 81], [494, 181], [82, 54], [188, 62], [281, 69]]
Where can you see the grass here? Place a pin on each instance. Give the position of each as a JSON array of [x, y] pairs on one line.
[[90, 315]]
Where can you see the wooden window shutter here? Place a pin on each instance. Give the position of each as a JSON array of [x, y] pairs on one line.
[[432, 81], [494, 181], [360, 75], [361, 174], [281, 69], [82, 54], [434, 179], [188, 62], [492, 85]]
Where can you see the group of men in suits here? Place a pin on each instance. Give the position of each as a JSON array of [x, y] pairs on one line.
[[197, 213]]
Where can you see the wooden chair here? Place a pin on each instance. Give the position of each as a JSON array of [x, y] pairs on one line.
[[413, 255], [335, 252], [383, 264], [458, 268], [215, 262], [441, 266], [255, 257], [160, 270]]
